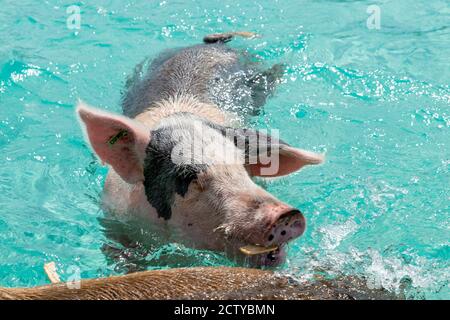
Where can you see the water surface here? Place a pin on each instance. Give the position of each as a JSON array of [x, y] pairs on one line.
[[376, 101]]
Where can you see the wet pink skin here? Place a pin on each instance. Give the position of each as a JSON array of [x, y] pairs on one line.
[[282, 225]]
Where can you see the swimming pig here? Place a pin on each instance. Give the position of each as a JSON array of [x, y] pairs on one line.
[[178, 161]]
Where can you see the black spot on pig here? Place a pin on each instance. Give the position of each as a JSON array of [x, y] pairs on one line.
[[163, 178]]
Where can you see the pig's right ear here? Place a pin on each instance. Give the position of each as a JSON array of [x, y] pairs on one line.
[[119, 141]]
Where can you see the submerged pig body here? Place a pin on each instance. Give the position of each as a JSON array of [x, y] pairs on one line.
[[178, 163], [212, 73]]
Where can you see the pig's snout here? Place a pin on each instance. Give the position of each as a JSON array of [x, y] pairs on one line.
[[289, 224], [284, 224]]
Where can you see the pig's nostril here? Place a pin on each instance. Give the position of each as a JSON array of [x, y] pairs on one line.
[[271, 237], [283, 232]]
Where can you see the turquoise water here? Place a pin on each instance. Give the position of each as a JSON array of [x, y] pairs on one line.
[[375, 100]]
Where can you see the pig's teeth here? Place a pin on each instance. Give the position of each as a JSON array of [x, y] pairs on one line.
[[255, 249]]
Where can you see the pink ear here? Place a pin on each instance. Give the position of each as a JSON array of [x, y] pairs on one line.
[[290, 159], [119, 141]]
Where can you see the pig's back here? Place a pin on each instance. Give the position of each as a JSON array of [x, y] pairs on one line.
[[211, 72]]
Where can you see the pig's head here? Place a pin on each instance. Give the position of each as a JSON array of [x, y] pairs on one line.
[[197, 176]]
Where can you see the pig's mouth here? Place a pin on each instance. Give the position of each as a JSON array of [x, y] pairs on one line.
[[269, 256], [275, 257], [251, 250]]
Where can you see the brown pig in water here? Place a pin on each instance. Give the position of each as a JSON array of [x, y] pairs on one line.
[[176, 159]]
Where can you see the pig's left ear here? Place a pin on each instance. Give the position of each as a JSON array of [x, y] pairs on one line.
[[282, 159], [290, 160], [118, 141]]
